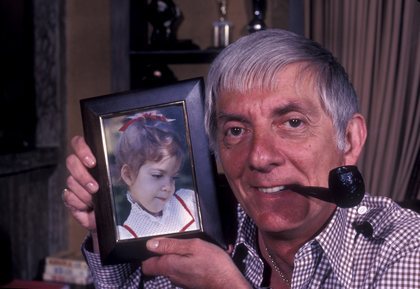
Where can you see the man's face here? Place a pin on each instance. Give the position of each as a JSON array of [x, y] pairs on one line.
[[154, 184], [268, 140]]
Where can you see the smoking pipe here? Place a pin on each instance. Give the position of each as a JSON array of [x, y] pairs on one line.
[[346, 187]]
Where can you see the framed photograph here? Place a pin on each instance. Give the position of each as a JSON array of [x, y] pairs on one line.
[[154, 168]]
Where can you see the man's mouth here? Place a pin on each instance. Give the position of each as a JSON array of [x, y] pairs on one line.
[[272, 190]]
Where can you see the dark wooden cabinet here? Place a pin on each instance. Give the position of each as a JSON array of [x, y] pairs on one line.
[[148, 66]]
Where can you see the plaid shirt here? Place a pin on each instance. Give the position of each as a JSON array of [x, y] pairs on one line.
[[373, 245]]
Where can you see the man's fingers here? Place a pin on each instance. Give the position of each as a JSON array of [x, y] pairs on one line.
[[172, 254], [83, 152], [83, 192], [191, 263], [165, 246], [80, 210], [80, 174], [152, 266], [166, 265], [86, 219], [74, 202]]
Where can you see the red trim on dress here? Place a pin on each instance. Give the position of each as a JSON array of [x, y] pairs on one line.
[[128, 228], [183, 229], [188, 211]]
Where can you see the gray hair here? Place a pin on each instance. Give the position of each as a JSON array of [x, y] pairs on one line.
[[254, 61]]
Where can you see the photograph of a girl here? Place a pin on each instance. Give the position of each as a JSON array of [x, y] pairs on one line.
[[149, 161]]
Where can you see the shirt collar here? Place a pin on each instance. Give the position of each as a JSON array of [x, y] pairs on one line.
[[333, 241], [247, 232], [362, 221], [245, 252]]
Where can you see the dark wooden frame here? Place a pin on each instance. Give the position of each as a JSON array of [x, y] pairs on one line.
[[190, 94]]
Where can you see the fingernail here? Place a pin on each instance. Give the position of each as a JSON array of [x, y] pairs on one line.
[[152, 244], [91, 187], [89, 161]]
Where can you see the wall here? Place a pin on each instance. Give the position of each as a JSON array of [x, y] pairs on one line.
[[88, 59], [32, 216]]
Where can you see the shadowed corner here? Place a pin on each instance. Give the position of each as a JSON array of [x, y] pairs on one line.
[[6, 264]]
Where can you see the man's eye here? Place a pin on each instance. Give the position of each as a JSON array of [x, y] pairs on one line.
[[157, 176], [294, 122], [235, 131], [233, 134]]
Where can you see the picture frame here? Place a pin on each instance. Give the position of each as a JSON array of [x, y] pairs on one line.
[[179, 106]]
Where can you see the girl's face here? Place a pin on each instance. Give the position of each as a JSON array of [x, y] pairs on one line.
[[154, 183]]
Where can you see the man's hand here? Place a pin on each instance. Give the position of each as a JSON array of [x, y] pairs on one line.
[[77, 197], [193, 263]]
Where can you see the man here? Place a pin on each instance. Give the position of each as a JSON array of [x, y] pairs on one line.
[[279, 110]]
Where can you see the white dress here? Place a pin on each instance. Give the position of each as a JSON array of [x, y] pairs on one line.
[[178, 215]]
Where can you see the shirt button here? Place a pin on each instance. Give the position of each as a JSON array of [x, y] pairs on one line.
[[362, 210]]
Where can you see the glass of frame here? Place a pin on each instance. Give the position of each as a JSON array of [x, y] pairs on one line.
[[154, 168]]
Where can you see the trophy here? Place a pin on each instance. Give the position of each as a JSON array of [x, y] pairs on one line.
[[221, 27], [165, 17], [257, 23]]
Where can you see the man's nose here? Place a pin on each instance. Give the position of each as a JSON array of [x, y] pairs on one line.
[[265, 153]]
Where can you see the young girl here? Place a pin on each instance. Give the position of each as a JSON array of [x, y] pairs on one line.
[[149, 156]]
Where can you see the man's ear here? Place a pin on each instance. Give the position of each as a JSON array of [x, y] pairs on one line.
[[355, 139], [126, 175]]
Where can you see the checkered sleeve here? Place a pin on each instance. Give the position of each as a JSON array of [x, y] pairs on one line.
[[405, 272], [110, 276]]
